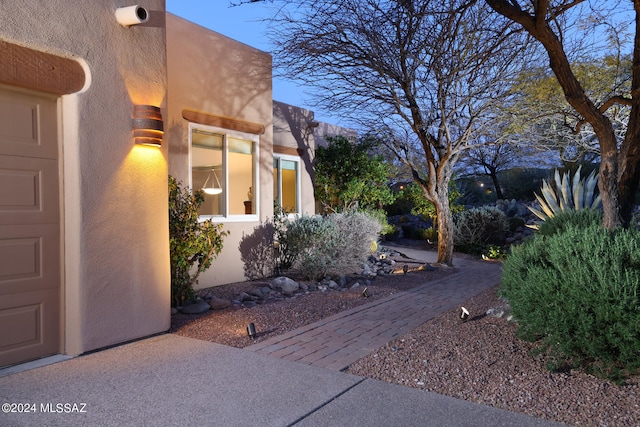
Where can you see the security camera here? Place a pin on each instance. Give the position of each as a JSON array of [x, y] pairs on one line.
[[131, 15]]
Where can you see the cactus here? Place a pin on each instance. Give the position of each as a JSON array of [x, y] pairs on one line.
[[568, 194]]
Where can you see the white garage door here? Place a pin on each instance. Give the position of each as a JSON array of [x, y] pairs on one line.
[[30, 294]]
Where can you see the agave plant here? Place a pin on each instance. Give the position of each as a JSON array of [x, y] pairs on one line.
[[568, 194]]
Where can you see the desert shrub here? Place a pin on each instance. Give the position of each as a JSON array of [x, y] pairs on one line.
[[578, 292], [475, 228], [381, 216], [289, 244], [313, 238], [193, 245], [257, 252], [581, 218], [335, 243]]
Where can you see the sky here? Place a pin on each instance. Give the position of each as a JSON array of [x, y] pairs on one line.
[[243, 23]]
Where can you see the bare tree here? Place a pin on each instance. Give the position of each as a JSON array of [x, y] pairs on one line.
[[420, 75], [491, 158], [547, 21]]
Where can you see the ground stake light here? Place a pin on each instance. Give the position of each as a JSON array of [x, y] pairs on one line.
[[464, 314], [251, 330]]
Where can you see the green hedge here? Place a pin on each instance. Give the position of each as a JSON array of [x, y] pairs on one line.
[[578, 291]]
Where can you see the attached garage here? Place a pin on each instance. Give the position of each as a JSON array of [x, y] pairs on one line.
[[84, 244], [30, 250]]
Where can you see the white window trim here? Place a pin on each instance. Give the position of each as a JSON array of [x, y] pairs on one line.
[[256, 190], [298, 160]]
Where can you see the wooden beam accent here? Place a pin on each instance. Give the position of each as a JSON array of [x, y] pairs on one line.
[[223, 122], [291, 151], [31, 69]]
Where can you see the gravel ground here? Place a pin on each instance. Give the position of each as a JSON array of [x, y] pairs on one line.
[[480, 360], [483, 361], [228, 326]]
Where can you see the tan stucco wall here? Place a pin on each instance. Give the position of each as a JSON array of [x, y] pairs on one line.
[[215, 75], [293, 128], [115, 252]]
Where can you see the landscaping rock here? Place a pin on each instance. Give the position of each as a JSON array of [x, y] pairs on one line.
[[246, 297], [200, 306], [285, 285], [219, 303], [256, 293], [501, 312], [265, 290]]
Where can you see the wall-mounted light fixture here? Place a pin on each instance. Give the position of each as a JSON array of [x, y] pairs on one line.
[[147, 125], [131, 15]]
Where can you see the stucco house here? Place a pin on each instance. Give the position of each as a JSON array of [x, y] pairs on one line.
[[99, 103]]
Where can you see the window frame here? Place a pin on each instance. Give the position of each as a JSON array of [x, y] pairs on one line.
[[278, 197], [224, 179]]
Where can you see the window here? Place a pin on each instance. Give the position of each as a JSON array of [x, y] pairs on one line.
[[224, 165], [286, 182]]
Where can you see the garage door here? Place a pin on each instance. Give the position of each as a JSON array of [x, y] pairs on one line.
[[30, 291]]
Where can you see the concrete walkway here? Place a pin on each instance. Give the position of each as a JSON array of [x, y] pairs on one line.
[[337, 341], [171, 380]]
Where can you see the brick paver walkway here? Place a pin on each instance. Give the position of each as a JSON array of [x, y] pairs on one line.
[[337, 341]]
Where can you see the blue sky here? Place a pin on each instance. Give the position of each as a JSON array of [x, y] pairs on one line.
[[242, 23]]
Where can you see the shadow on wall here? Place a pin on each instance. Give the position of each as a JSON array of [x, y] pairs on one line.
[[257, 252], [300, 126]]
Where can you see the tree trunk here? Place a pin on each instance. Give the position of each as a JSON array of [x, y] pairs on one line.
[[436, 190], [445, 231], [494, 178], [445, 221], [629, 164], [608, 186]]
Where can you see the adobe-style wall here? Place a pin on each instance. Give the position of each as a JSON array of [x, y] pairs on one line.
[[217, 77], [116, 279], [293, 129]]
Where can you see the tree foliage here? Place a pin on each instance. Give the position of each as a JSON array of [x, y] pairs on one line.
[[348, 176], [560, 26], [193, 245], [544, 120]]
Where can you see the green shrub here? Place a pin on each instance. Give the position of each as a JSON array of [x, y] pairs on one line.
[[578, 292], [429, 234], [191, 243], [381, 216], [476, 228], [495, 252], [581, 218], [336, 243], [314, 236]]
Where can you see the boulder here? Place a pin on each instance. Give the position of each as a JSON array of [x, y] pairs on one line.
[[197, 307], [285, 285], [256, 293], [219, 303]]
